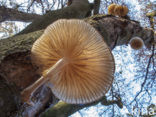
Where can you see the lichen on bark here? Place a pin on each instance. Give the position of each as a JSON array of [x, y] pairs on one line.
[[114, 30]]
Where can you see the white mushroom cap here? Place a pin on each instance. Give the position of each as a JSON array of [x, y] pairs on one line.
[[89, 71]]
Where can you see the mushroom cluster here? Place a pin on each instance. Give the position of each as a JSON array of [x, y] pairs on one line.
[[75, 60], [118, 10]]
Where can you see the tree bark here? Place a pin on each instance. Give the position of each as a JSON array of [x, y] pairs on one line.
[[118, 31], [110, 27], [62, 109], [151, 14], [15, 62], [9, 14], [96, 6]]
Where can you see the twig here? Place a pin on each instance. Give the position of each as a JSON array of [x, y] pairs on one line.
[[147, 71]]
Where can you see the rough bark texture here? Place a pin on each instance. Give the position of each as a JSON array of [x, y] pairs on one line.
[[111, 28], [8, 14], [17, 71], [96, 6], [8, 95], [16, 66], [62, 109], [118, 31]]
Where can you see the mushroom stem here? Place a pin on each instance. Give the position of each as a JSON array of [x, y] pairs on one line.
[[28, 92]]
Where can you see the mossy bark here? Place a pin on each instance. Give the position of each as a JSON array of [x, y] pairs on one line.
[[15, 54], [111, 28], [21, 43], [15, 60], [151, 14]]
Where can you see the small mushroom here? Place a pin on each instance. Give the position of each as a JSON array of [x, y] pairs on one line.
[[111, 8], [125, 10], [120, 10], [75, 60], [136, 43]]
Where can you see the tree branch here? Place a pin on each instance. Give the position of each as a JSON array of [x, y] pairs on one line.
[[146, 76], [62, 109], [107, 26], [15, 62], [9, 14], [151, 14], [78, 9], [96, 6]]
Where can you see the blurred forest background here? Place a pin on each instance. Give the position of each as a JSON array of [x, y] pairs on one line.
[[135, 76]]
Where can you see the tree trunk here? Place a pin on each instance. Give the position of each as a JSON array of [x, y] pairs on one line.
[[15, 62], [8, 14], [78, 9], [96, 6]]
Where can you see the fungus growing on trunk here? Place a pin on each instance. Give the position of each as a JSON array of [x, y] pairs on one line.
[[136, 43], [118, 10], [111, 8], [75, 60]]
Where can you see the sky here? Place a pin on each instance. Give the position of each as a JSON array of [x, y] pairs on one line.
[[128, 73], [38, 10]]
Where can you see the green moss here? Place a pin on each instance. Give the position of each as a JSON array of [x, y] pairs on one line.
[[19, 43], [61, 109], [151, 14]]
